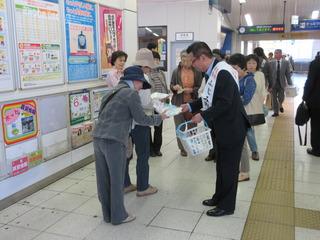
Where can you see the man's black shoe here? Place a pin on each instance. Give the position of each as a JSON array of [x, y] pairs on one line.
[[217, 212], [311, 152], [209, 202], [275, 115], [210, 158], [158, 154], [281, 109], [153, 154]]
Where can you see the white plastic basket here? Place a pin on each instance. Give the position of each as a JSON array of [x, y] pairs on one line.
[[195, 140]]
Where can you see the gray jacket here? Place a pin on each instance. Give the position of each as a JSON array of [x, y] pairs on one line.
[[285, 76], [115, 120]]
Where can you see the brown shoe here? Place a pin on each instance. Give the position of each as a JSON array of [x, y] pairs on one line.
[[183, 153], [130, 188], [243, 177], [255, 156], [150, 190]]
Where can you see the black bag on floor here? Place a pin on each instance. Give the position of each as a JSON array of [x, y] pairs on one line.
[[302, 118]]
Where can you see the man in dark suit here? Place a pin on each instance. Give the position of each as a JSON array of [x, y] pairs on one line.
[[311, 95], [224, 113], [279, 78]]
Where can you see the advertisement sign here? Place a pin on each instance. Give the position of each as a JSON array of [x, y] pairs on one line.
[[81, 134], [97, 96], [306, 25], [19, 166], [6, 79], [20, 121], [39, 42], [35, 158], [81, 40], [110, 34], [261, 29], [79, 107]]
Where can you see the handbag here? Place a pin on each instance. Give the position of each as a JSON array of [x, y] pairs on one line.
[[302, 114]]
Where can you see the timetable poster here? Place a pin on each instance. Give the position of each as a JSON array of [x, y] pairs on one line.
[[39, 42], [81, 40], [79, 107], [6, 80], [110, 34], [20, 121]]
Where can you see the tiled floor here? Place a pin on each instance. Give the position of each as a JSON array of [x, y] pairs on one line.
[[69, 208]]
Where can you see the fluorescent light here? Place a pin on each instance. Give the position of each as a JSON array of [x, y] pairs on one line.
[[148, 29], [155, 34], [315, 14], [248, 19], [242, 1]]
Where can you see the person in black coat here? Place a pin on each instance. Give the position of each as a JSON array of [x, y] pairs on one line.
[[311, 96], [225, 114]]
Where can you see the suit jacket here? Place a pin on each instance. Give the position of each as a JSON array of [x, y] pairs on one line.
[[227, 117], [311, 92], [115, 119], [285, 76]]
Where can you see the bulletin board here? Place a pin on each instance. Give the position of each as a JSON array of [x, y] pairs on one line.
[[38, 36], [6, 78], [19, 121], [110, 34], [81, 40], [79, 107]]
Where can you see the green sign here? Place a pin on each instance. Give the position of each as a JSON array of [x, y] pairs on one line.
[[260, 29]]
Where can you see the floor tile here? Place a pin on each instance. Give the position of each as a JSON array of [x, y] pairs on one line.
[[307, 176], [306, 234], [81, 173], [198, 236], [91, 208], [61, 184], [226, 227], [85, 188], [38, 197], [75, 225], [307, 188], [38, 219], [15, 233], [307, 201], [50, 236], [176, 219], [13, 212], [65, 202]]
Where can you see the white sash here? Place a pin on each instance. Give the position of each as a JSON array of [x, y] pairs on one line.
[[208, 92]]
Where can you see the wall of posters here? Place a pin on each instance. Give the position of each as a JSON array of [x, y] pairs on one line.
[[110, 34], [6, 79], [79, 107], [39, 42], [81, 40], [20, 121]]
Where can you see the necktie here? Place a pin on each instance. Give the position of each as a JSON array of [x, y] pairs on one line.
[[278, 70]]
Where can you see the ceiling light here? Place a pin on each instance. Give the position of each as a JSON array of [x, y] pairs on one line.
[[242, 1], [248, 19], [315, 14], [157, 35], [148, 29]]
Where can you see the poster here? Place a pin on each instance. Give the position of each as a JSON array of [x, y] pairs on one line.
[[39, 42], [6, 79], [110, 34], [19, 165], [20, 121], [81, 134], [35, 158], [81, 42], [79, 107], [97, 96]]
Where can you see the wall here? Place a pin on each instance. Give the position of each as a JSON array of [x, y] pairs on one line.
[[182, 17]]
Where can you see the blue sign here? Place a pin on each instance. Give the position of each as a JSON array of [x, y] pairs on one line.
[[306, 25], [81, 40], [260, 29]]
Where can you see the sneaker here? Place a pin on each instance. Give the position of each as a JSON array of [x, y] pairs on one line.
[[243, 177], [255, 156], [130, 218], [130, 188], [183, 153], [150, 190]]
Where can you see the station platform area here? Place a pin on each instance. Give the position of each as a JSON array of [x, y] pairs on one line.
[[281, 200]]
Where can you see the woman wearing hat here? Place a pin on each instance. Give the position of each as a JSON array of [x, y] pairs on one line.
[[118, 109]]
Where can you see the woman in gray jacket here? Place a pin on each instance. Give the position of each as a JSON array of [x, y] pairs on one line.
[[118, 109]]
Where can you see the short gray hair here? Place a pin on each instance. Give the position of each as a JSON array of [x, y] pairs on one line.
[[183, 53]]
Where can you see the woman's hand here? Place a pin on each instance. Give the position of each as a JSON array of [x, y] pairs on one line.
[[177, 87], [185, 108], [197, 118], [164, 115]]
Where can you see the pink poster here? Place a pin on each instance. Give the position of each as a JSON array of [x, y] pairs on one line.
[[110, 34], [19, 166]]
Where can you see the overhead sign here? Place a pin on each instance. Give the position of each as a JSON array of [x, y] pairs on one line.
[[184, 36], [306, 25], [260, 29]]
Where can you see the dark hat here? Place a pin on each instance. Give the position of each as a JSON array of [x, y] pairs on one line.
[[135, 73]]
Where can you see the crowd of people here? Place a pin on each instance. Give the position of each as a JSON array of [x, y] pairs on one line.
[[228, 93]]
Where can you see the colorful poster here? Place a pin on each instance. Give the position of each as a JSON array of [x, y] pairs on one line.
[[35, 158], [39, 42], [81, 40], [81, 134], [97, 96], [20, 121], [6, 80], [19, 166], [79, 107], [110, 34]]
